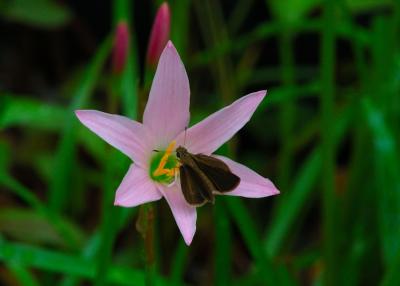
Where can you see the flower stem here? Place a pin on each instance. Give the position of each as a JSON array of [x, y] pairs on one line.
[[145, 226]]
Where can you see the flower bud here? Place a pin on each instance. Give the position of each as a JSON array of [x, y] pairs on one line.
[[159, 35], [121, 47]]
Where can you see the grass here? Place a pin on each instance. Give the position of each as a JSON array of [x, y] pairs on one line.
[[327, 135]]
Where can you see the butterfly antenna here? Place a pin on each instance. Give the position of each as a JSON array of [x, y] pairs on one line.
[[184, 138]]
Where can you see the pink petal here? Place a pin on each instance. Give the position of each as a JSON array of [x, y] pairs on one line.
[[136, 188], [252, 185], [184, 214], [167, 110], [130, 137], [209, 134]]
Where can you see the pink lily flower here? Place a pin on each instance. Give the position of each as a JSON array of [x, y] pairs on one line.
[[164, 122]]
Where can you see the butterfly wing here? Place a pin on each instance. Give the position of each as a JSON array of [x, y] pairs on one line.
[[217, 172], [194, 189]]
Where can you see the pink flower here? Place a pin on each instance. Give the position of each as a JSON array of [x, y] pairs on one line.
[[164, 121], [121, 46], [159, 34]]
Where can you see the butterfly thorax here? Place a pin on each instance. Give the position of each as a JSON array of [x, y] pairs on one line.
[[185, 157]]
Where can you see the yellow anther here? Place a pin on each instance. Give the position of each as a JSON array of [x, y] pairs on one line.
[[172, 172], [160, 169]]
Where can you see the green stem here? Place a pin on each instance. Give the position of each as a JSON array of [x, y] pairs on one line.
[[223, 245], [145, 226], [328, 152]]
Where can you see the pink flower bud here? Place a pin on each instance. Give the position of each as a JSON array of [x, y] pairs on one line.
[[121, 46], [159, 34]]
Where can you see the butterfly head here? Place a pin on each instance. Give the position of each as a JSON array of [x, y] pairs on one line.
[[181, 152]]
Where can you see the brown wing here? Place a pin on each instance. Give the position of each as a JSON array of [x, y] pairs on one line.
[[218, 173], [193, 188]]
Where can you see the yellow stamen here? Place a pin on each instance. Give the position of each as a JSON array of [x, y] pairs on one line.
[[172, 172], [160, 169]]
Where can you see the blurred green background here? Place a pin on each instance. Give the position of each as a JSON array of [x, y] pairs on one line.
[[327, 134]]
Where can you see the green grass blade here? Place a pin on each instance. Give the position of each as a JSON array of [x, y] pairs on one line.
[[111, 215], [223, 246], [179, 263], [392, 276], [386, 164], [180, 24], [19, 190], [94, 244], [71, 235], [23, 275], [269, 29], [287, 110], [19, 110], [277, 96], [248, 230], [64, 157], [292, 203], [59, 262], [329, 200]]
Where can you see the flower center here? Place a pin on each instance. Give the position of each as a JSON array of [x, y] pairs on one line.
[[164, 165]]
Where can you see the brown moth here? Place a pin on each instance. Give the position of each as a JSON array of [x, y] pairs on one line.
[[203, 176]]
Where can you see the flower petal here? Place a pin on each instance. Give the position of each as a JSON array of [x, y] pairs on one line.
[[136, 188], [130, 137], [167, 110], [209, 134], [184, 214], [252, 185]]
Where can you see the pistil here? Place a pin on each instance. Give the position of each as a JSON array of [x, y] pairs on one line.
[[164, 166]]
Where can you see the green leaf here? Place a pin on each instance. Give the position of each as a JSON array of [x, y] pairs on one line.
[[65, 154], [179, 263], [64, 263], [292, 203], [39, 13], [387, 180], [292, 11], [367, 5], [4, 156], [251, 237], [22, 225], [392, 276], [23, 275], [19, 110], [93, 245], [73, 238]]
